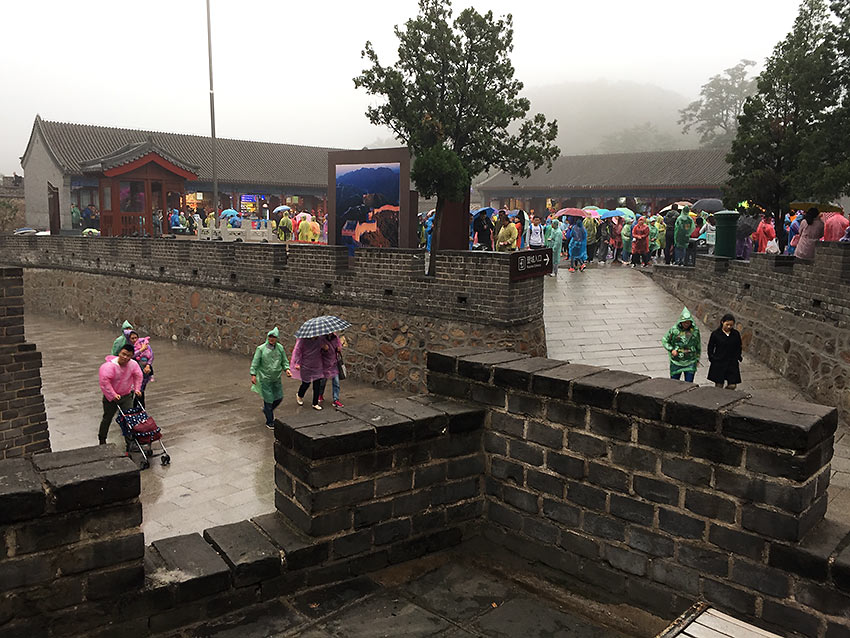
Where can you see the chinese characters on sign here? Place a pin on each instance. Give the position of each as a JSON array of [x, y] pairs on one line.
[[526, 264]]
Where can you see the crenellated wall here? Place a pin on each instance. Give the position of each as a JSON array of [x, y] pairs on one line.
[[227, 295], [794, 315]]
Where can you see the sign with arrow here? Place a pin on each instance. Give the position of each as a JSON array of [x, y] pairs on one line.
[[526, 264]]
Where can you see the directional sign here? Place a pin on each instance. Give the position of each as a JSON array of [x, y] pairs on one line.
[[531, 263]]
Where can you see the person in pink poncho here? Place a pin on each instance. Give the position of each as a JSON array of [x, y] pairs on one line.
[[143, 355], [308, 367], [331, 352], [121, 382]]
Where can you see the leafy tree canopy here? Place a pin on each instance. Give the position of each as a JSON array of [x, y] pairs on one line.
[[778, 154], [715, 114], [453, 87]]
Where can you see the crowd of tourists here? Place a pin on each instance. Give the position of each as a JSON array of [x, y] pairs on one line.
[[127, 370], [587, 235]]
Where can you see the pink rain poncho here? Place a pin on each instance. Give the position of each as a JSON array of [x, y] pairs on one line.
[[307, 364], [119, 380]]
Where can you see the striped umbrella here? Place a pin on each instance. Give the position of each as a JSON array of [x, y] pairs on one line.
[[318, 326]]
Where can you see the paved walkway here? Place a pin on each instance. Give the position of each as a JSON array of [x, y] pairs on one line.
[[222, 461], [615, 317], [443, 596]]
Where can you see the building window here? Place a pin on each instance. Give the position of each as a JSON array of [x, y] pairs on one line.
[[107, 198], [131, 196]]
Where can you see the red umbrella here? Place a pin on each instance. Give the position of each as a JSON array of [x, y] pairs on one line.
[[572, 212]]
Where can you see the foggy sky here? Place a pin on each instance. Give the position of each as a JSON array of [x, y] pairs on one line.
[[284, 69]]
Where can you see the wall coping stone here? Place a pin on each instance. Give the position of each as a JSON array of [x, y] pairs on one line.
[[463, 415], [21, 493], [391, 428], [480, 366], [520, 373], [91, 484], [555, 382], [192, 567], [300, 551], [699, 408], [446, 360], [334, 438], [646, 399], [250, 555], [66, 458], [599, 390], [776, 426]]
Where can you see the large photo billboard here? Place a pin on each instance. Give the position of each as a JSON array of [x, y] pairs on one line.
[[369, 199]]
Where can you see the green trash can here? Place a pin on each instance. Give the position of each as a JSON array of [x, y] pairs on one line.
[[727, 223]]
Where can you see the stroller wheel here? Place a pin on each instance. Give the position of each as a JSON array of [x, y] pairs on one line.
[[145, 464], [165, 459]]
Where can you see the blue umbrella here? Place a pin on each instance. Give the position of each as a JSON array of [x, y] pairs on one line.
[[487, 210], [318, 326], [280, 209], [229, 212], [607, 214]]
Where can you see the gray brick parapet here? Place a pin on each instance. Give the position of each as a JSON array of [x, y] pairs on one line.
[[23, 422], [793, 314], [657, 492]]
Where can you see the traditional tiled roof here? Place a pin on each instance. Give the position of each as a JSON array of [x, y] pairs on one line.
[[239, 161], [132, 152], [625, 171]]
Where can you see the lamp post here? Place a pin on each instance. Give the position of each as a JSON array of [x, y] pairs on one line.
[[212, 122]]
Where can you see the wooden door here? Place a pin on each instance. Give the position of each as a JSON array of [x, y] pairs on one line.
[[53, 209]]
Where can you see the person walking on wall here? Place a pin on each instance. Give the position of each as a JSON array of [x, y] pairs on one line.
[[683, 343], [536, 234], [331, 360], [122, 339], [308, 368], [682, 235], [555, 240], [267, 367], [724, 353], [811, 231], [507, 237], [120, 382], [640, 243]]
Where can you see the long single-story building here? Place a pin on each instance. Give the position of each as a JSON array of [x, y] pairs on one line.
[[653, 178], [130, 172]]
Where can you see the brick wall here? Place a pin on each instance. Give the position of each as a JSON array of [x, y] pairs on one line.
[[471, 286], [656, 492], [23, 422], [226, 296], [793, 315]]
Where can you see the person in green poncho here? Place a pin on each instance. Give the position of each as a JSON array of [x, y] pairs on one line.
[[267, 366], [554, 236], [119, 342], [626, 236], [682, 235], [683, 343]]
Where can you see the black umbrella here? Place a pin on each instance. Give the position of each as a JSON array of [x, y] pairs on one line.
[[708, 206]]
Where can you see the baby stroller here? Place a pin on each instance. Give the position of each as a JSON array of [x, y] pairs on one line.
[[141, 430]]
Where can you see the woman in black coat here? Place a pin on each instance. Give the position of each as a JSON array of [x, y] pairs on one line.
[[724, 353]]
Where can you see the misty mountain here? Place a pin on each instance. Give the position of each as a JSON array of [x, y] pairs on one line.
[[592, 116], [381, 180]]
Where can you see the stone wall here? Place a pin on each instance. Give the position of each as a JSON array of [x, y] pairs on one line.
[[656, 492], [793, 315], [23, 422], [226, 296]]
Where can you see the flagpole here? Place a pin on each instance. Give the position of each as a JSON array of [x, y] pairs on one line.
[[212, 121]]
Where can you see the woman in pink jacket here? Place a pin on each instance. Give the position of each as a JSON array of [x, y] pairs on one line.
[[331, 351], [120, 381]]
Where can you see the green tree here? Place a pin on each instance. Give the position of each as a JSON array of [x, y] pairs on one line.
[[771, 160], [715, 114], [453, 99], [641, 137]]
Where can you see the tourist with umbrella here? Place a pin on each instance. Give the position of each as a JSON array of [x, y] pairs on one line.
[[267, 366], [307, 360]]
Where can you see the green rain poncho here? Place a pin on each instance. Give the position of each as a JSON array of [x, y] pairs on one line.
[[267, 365], [684, 228], [686, 343], [626, 236], [554, 236], [121, 340]]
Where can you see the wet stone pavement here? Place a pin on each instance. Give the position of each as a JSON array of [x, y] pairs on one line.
[[222, 460], [453, 600], [615, 317]]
